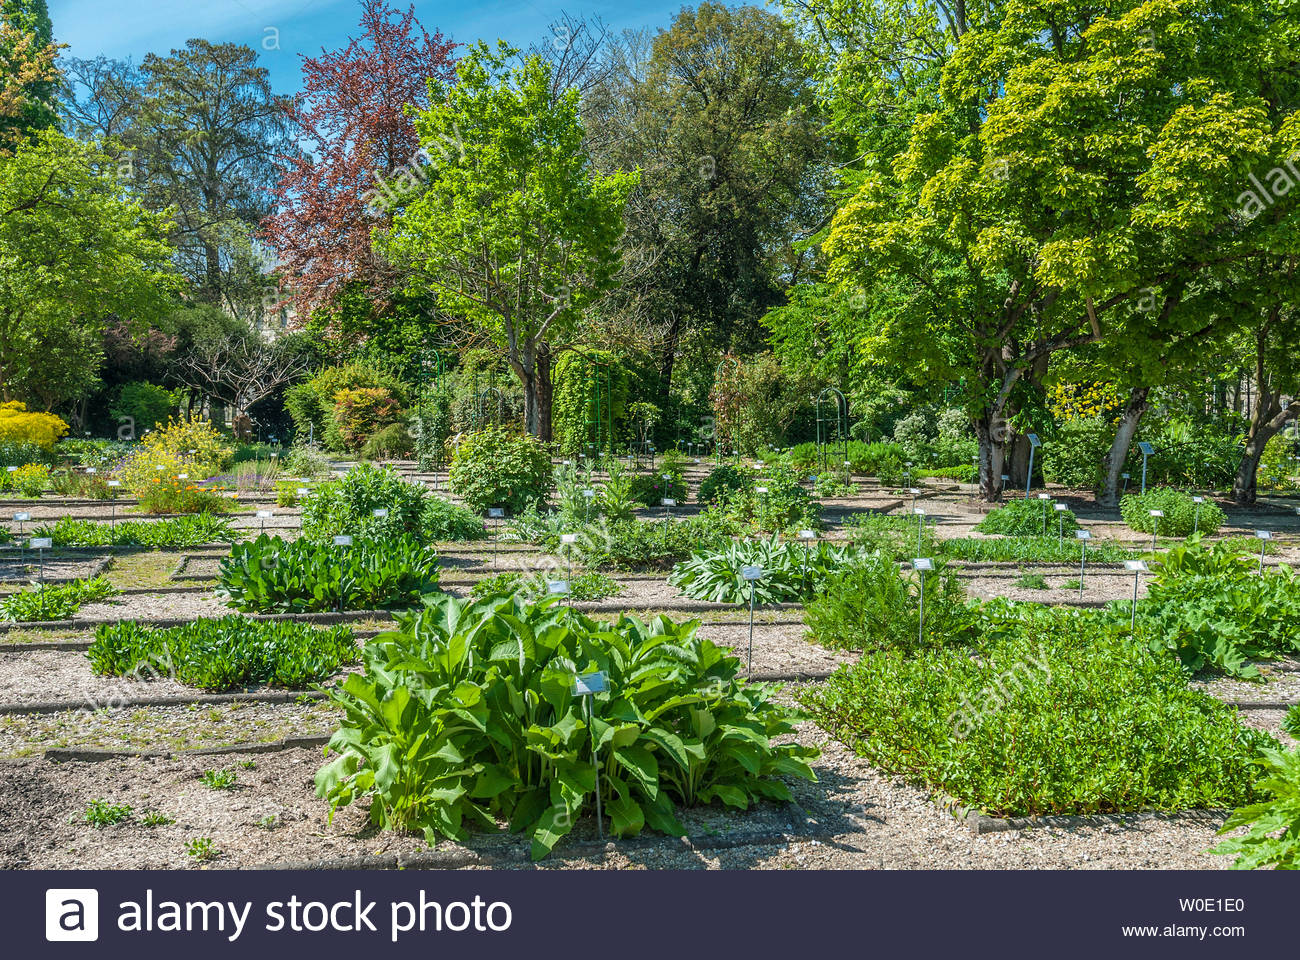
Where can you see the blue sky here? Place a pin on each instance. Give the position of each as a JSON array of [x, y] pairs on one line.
[[122, 28]]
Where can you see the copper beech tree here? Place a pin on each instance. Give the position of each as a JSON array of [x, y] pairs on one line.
[[359, 144]]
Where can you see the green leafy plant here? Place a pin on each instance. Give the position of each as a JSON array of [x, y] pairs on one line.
[[101, 813], [442, 521], [269, 575], [347, 506], [188, 531], [791, 572], [588, 585], [1032, 518], [201, 849], [724, 480], [55, 601], [1273, 837], [219, 779], [1036, 549], [1046, 712], [466, 717], [155, 818], [229, 653], [617, 497], [1209, 607], [1179, 509], [1031, 581], [872, 605], [495, 468]]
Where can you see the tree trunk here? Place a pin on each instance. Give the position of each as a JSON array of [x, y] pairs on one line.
[[992, 450], [1266, 422], [545, 393], [1114, 462]]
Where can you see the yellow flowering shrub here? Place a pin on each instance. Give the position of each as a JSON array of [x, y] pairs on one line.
[[20, 426], [1069, 402], [180, 436]]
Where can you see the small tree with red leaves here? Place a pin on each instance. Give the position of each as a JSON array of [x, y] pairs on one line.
[[357, 136]]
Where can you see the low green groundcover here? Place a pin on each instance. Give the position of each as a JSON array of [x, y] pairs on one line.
[[223, 654], [1049, 712]]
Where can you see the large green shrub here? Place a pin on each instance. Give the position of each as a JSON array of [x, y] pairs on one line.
[[145, 405], [1049, 712], [347, 506], [311, 403], [269, 575], [466, 718], [229, 653], [497, 468], [1180, 519], [1075, 454], [724, 480]]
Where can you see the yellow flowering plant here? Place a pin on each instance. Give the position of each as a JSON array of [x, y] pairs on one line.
[[18, 425]]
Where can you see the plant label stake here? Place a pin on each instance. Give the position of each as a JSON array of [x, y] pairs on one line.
[[263, 516], [495, 513], [669, 503], [915, 492], [20, 519], [303, 491], [1264, 537], [1060, 527], [1125, 488], [112, 502], [848, 474], [1196, 522], [1083, 536], [1155, 527], [1138, 567], [1046, 498], [560, 588], [919, 512], [380, 514], [807, 536], [1147, 451], [750, 574], [343, 542], [568, 540], [587, 686], [40, 545], [588, 495], [921, 565], [1034, 444]]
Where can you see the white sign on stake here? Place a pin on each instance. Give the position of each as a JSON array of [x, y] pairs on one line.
[[1061, 508], [557, 588], [589, 493], [751, 573], [1135, 566], [567, 538], [114, 483], [1156, 513], [303, 491], [1083, 534], [807, 534], [918, 511], [669, 502], [1264, 534], [343, 541], [1198, 499], [264, 514], [40, 543], [590, 683], [760, 489], [1044, 496], [923, 563], [91, 470], [380, 513], [22, 517], [496, 513]]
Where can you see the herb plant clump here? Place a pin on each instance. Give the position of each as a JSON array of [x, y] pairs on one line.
[[791, 572], [1028, 518], [1273, 837], [58, 601], [229, 653], [1010, 725], [871, 604], [188, 531], [270, 575], [1180, 513], [466, 718], [347, 506], [723, 480]]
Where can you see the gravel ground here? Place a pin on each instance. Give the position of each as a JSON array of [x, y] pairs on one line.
[[863, 820], [57, 569], [1097, 586], [1280, 682]]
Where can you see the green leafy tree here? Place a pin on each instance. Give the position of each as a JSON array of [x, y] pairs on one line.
[[516, 232], [72, 252], [29, 79], [1074, 160]]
